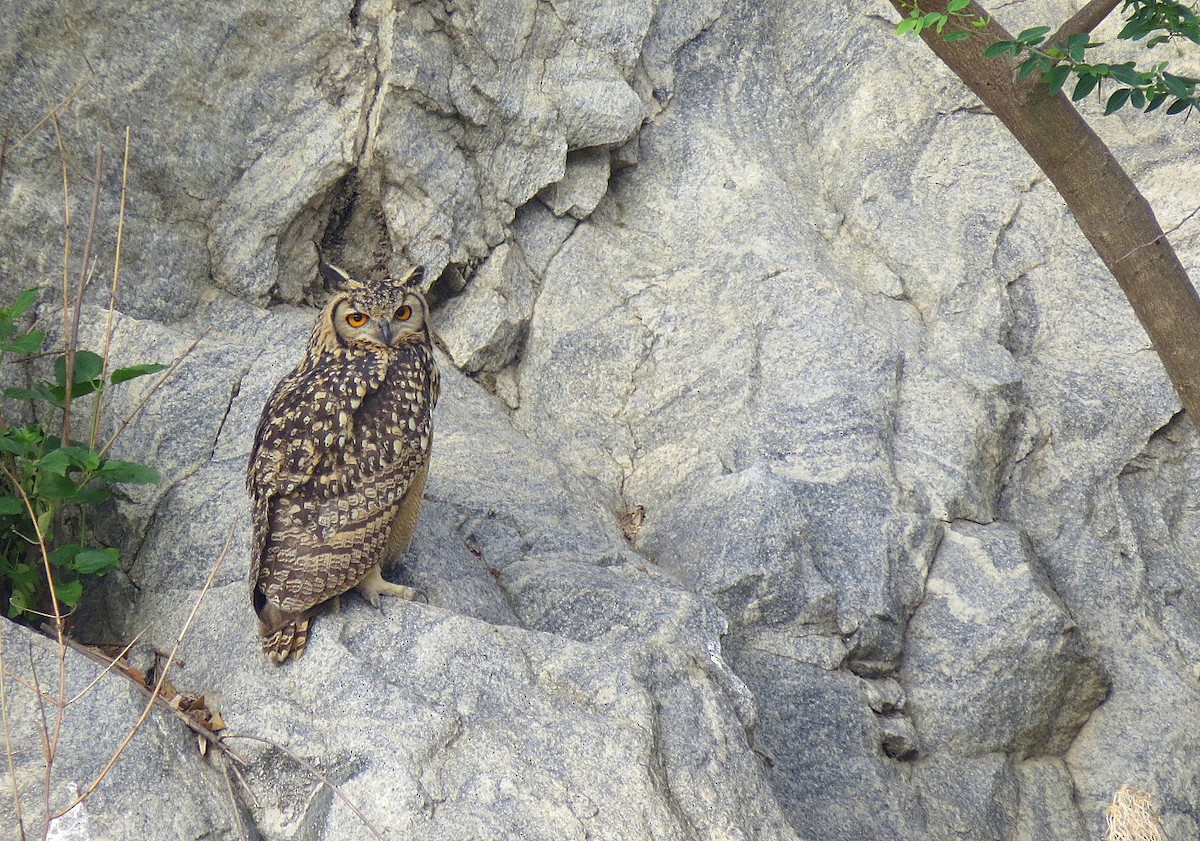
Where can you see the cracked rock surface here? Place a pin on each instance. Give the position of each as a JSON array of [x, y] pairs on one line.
[[799, 471]]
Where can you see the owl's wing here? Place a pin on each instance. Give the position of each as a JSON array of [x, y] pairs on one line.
[[301, 424], [322, 545]]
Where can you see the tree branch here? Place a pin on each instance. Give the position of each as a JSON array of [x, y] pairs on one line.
[[1084, 21], [1116, 218]]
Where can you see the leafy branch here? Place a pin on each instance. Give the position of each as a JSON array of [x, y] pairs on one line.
[[1147, 89], [47, 477]]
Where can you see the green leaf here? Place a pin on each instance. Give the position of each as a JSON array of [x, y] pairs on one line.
[[20, 601], [11, 505], [1083, 87], [31, 342], [40, 391], [12, 441], [1033, 36], [53, 486], [92, 495], [96, 561], [1076, 45], [957, 35], [957, 5], [1057, 77], [56, 462], [1000, 48], [1117, 100], [83, 458], [87, 368], [1180, 86], [1137, 99], [122, 374], [128, 472], [1126, 74], [69, 593], [45, 523], [1179, 105], [1155, 101], [902, 28], [20, 304], [65, 555], [24, 576]]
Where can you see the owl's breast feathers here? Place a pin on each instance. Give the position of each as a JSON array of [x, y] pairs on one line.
[[339, 443], [342, 418]]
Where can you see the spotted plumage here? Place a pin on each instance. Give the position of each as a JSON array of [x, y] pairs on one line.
[[340, 458]]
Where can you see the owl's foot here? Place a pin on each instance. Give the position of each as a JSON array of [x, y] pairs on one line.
[[373, 586]]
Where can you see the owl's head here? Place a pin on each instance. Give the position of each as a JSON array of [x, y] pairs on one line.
[[385, 313]]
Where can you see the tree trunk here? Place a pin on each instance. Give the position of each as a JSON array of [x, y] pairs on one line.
[[1109, 209]]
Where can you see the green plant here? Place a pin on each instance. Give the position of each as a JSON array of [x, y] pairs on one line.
[[50, 484], [1153, 21]]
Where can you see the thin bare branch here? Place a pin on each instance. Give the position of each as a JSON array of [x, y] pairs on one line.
[[316, 772], [158, 684], [167, 374], [1084, 21], [1160, 237], [50, 743], [15, 678], [8, 747], [211, 737], [3, 156], [108, 667], [47, 751], [71, 335], [50, 115], [233, 803], [98, 404]]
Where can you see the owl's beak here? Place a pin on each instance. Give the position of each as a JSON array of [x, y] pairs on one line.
[[385, 332]]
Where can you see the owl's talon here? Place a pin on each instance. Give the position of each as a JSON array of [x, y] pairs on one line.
[[374, 586]]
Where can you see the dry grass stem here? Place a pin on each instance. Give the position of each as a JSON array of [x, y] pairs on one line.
[[316, 772], [1131, 817], [208, 736], [233, 803], [52, 114], [107, 668]]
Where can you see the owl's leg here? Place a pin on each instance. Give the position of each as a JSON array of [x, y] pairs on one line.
[[373, 586]]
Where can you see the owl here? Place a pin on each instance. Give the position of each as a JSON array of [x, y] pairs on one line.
[[340, 457]]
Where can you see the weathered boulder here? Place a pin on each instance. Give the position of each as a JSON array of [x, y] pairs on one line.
[[812, 478]]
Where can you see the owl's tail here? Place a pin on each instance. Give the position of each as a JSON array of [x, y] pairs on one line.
[[286, 642], [283, 634]]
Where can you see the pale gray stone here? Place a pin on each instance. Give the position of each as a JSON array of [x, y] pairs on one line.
[[582, 186], [161, 788], [1019, 678], [485, 326], [823, 328]]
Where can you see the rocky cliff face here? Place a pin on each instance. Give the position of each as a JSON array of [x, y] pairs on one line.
[[799, 472]]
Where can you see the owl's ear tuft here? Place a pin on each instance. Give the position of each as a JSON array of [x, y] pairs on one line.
[[413, 278], [336, 279]]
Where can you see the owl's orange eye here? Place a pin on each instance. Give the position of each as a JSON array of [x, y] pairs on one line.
[[404, 313], [356, 319]]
